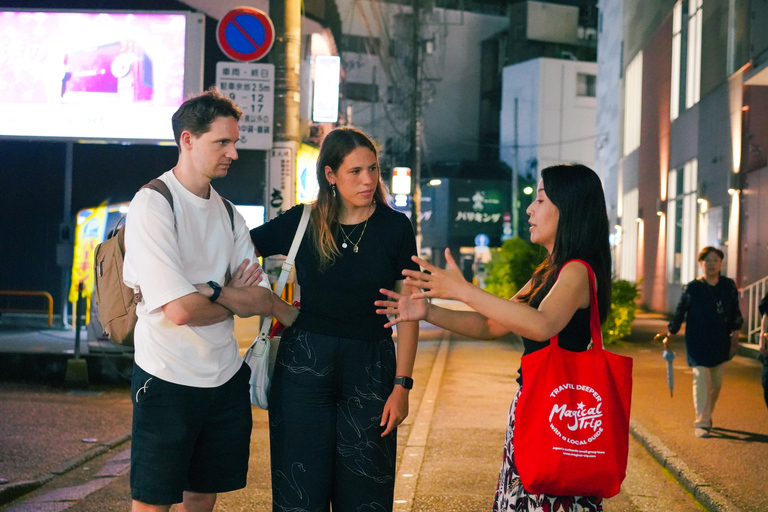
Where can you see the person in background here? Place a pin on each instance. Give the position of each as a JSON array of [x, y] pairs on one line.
[[568, 217], [709, 306], [338, 391], [191, 405]]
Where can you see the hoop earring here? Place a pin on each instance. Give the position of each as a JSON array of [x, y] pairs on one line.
[[333, 190]]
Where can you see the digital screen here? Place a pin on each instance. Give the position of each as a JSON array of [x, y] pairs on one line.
[[114, 76]]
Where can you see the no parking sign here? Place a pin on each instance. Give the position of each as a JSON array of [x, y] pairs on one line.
[[245, 34]]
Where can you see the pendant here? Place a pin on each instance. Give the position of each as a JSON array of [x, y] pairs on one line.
[[355, 249], [344, 245]]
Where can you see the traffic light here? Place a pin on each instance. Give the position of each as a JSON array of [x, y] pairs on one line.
[[526, 194]]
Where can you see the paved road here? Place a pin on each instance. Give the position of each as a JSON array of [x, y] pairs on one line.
[[67, 449]]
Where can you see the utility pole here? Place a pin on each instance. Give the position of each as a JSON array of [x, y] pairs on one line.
[[416, 124], [285, 54], [516, 164]]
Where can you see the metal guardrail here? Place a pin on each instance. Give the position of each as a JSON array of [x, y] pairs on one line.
[[754, 292], [32, 293]]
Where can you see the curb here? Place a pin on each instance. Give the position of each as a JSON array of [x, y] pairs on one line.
[[695, 484], [13, 490], [750, 350]]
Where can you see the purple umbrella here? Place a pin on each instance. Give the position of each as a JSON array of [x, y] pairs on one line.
[[669, 356]]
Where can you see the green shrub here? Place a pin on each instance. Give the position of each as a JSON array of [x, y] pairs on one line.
[[622, 313], [511, 266]]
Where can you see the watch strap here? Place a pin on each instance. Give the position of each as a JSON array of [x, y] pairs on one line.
[[406, 382]]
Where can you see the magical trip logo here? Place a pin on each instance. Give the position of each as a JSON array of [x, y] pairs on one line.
[[577, 422]]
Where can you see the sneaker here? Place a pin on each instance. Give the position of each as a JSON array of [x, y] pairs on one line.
[[701, 432]]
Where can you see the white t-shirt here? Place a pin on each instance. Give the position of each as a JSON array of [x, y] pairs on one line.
[[165, 262]]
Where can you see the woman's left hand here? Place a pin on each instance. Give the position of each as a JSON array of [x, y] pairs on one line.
[[448, 283], [395, 410]]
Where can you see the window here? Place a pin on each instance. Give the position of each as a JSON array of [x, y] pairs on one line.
[[360, 44], [585, 85], [686, 56], [677, 96], [356, 91], [682, 214], [629, 239], [633, 97], [693, 68]]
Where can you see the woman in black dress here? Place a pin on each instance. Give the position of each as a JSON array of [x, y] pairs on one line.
[[568, 218]]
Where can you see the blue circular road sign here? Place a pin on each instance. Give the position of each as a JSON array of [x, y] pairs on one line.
[[245, 34], [482, 240]]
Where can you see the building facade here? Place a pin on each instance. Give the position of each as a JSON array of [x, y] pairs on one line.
[[691, 152], [376, 50]]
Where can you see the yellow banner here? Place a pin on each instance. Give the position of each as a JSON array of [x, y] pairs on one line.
[[306, 173], [88, 234]]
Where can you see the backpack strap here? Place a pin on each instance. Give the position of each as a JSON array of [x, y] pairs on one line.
[[160, 186], [231, 213]]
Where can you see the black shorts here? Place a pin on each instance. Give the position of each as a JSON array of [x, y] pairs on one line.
[[187, 438]]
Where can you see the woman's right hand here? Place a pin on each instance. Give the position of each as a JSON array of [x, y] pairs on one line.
[[404, 308]]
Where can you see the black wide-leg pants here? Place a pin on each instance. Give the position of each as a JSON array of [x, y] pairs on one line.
[[325, 406]]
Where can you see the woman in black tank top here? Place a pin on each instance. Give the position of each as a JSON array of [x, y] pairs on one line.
[[568, 218]]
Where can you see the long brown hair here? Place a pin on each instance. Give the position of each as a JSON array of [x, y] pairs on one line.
[[582, 232], [325, 211]]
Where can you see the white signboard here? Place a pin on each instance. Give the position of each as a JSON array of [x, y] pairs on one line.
[[252, 87], [325, 98], [281, 191]]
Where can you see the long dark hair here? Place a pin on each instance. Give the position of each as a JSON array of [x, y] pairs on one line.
[[325, 212], [582, 232]]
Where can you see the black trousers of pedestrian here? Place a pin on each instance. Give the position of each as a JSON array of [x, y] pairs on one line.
[[325, 407]]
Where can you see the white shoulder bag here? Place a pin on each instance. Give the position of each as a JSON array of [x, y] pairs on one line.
[[261, 355]]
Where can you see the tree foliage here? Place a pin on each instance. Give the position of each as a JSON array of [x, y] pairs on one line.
[[622, 313], [511, 266]]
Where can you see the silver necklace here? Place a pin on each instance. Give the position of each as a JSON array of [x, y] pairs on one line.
[[354, 244]]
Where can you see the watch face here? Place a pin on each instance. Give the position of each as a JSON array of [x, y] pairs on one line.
[[406, 382]]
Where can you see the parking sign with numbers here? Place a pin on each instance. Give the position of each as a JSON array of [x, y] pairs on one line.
[[252, 88]]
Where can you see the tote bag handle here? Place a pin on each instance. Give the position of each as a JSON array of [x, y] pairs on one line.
[[594, 315], [266, 326]]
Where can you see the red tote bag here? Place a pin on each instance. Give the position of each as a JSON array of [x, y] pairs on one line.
[[572, 418]]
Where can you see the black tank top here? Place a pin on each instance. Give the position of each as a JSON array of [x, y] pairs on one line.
[[574, 337]]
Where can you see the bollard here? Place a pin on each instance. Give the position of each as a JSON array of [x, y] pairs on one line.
[[77, 368]]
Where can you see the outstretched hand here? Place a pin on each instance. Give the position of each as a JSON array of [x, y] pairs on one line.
[[404, 308], [447, 283]]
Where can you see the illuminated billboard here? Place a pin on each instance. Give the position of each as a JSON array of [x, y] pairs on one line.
[[113, 76], [325, 97]]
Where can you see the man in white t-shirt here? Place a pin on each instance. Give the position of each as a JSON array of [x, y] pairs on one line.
[[191, 406]]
